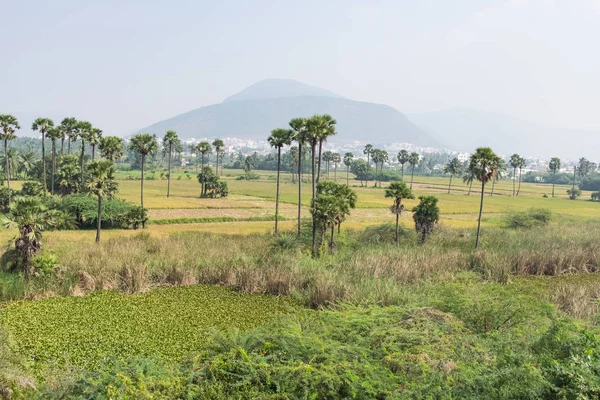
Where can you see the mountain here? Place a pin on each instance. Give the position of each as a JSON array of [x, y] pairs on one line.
[[256, 110], [466, 129]]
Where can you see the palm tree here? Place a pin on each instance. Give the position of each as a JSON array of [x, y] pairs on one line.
[[69, 127], [144, 144], [413, 160], [398, 191], [43, 125], [111, 148], [279, 138], [403, 158], [219, 151], [335, 159], [169, 140], [453, 168], [9, 125], [84, 129], [94, 138], [468, 178], [27, 162], [54, 134], [375, 157], [327, 157], [516, 162], [383, 158], [348, 157], [102, 184], [294, 156], [368, 151], [554, 166], [522, 163], [484, 164], [426, 214], [203, 148], [345, 200], [299, 134], [499, 175], [325, 129]]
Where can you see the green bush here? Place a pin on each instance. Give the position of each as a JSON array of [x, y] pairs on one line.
[[32, 188], [250, 176], [45, 263], [529, 218]]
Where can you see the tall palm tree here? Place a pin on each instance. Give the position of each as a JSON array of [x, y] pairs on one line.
[[398, 191], [43, 125], [554, 166], [69, 127], [9, 124], [375, 157], [169, 141], [84, 129], [54, 134], [14, 162], [326, 129], [294, 157], [111, 148], [515, 162], [453, 168], [144, 144], [413, 160], [335, 159], [403, 158], [102, 184], [203, 148], [219, 151], [368, 151], [484, 163], [299, 134], [522, 163], [279, 138], [94, 138], [499, 175], [327, 157], [348, 157], [468, 178]]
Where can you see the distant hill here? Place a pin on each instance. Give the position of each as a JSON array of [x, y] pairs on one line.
[[256, 110], [465, 129]]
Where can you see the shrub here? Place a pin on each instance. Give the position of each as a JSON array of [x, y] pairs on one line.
[[32, 188], [250, 176], [574, 193], [380, 234], [45, 263], [529, 218]]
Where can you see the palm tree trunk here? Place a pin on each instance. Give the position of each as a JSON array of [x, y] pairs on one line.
[[314, 225], [69, 146], [480, 213], [574, 179], [335, 173], [203, 175], [397, 231], [142, 186], [82, 160], [470, 188], [412, 176], [44, 162], [450, 184], [93, 151], [99, 224], [319, 162], [514, 179], [53, 164], [519, 189], [62, 146], [169, 171], [277, 190], [331, 241], [7, 168], [299, 185], [493, 185], [402, 171], [553, 182], [217, 168], [347, 175]]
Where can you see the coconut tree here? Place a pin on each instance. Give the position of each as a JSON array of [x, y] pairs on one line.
[[413, 160], [219, 151], [300, 135], [84, 131], [94, 137], [279, 138], [348, 157], [68, 127], [426, 214], [554, 166], [203, 148], [454, 168], [54, 134], [403, 158], [169, 141], [398, 191], [43, 125], [102, 185], [484, 163], [8, 126], [144, 144], [111, 148]]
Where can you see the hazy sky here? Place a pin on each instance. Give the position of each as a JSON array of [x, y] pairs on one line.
[[125, 64]]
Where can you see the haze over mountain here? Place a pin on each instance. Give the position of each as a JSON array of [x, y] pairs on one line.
[[465, 129], [256, 110]]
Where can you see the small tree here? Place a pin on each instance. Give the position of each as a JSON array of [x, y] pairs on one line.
[[102, 185], [348, 157], [398, 191], [426, 214]]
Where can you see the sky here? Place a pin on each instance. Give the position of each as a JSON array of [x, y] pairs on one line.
[[124, 64]]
